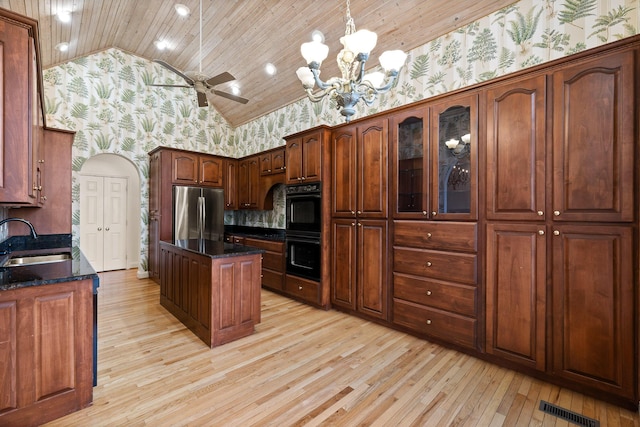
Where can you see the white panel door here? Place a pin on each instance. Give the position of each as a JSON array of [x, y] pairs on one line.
[[103, 225], [91, 219], [115, 223]]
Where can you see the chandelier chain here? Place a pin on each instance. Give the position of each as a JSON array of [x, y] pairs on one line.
[[351, 26]]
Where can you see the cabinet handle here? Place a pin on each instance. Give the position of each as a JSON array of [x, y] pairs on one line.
[[106, 229], [428, 264], [556, 233], [99, 228], [428, 321], [540, 213], [556, 213], [428, 293], [541, 232]]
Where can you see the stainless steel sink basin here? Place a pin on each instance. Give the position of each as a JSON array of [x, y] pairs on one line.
[[36, 259]]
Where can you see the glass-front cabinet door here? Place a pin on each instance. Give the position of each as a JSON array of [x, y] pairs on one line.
[[454, 153], [410, 139]]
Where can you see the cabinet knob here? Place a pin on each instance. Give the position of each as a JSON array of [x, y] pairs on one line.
[[541, 232], [106, 229], [428, 321], [434, 213], [540, 213], [353, 223], [428, 293], [428, 264], [556, 233], [353, 212], [303, 178], [99, 228], [424, 213], [556, 213], [359, 212], [428, 235], [44, 197], [299, 287], [268, 170]]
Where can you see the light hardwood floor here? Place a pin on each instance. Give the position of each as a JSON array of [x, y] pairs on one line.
[[302, 366]]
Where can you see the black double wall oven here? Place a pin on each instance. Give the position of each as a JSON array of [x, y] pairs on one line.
[[304, 213]]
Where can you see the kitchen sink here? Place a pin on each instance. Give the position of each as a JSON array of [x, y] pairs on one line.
[[26, 260]]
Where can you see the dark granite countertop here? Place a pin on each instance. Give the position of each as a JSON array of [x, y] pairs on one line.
[[275, 234], [76, 268], [213, 248]]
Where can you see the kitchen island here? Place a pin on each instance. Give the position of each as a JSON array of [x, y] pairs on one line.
[[48, 293], [212, 287]]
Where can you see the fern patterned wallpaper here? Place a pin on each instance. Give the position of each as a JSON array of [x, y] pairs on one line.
[[105, 99]]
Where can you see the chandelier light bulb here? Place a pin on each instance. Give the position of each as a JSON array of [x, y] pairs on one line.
[[362, 41], [314, 52], [306, 77], [452, 143], [392, 60]]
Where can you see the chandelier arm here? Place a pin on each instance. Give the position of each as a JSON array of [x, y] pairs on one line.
[[317, 97], [322, 85]]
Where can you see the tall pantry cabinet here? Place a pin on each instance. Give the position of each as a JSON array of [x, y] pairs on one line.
[[359, 206], [560, 206]]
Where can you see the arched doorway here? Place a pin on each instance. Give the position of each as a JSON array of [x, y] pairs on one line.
[[110, 212]]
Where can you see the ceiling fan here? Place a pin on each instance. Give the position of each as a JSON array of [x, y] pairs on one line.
[[201, 82]]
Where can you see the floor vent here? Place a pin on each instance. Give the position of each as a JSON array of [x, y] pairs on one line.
[[567, 415]]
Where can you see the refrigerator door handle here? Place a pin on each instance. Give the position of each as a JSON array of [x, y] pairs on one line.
[[201, 218]]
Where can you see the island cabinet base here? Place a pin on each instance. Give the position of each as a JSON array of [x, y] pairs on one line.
[[218, 299]]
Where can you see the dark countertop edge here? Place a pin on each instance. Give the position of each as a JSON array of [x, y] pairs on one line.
[[274, 234], [222, 250], [81, 270]]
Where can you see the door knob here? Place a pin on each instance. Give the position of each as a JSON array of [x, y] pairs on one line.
[[99, 228]]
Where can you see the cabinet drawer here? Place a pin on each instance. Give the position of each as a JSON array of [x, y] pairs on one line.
[[450, 266], [302, 288], [451, 236], [453, 297], [449, 327], [273, 261], [268, 245], [272, 279]]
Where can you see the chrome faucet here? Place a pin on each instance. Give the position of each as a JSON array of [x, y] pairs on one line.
[[33, 230]]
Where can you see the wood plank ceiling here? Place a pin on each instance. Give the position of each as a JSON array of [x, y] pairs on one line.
[[242, 36]]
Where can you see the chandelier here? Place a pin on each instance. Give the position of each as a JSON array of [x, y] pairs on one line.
[[354, 84]]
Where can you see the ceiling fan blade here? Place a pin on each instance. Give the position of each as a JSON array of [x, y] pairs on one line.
[[202, 100], [219, 79], [175, 70], [185, 86], [231, 97]]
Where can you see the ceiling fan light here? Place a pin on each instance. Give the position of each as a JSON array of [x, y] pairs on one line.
[[182, 10]]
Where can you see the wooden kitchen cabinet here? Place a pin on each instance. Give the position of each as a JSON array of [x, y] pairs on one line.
[[22, 117], [304, 155], [47, 351], [593, 294], [273, 161], [230, 184], [248, 182], [516, 293], [197, 169], [593, 139], [359, 266], [273, 261], [516, 150], [359, 160]]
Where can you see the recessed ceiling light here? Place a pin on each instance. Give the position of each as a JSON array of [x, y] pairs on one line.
[[182, 10], [161, 44], [317, 36], [64, 15], [270, 69], [62, 47]]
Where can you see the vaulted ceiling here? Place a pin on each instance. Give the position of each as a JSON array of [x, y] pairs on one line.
[[242, 36]]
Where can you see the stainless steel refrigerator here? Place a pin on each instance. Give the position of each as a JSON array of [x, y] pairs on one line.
[[198, 213]]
